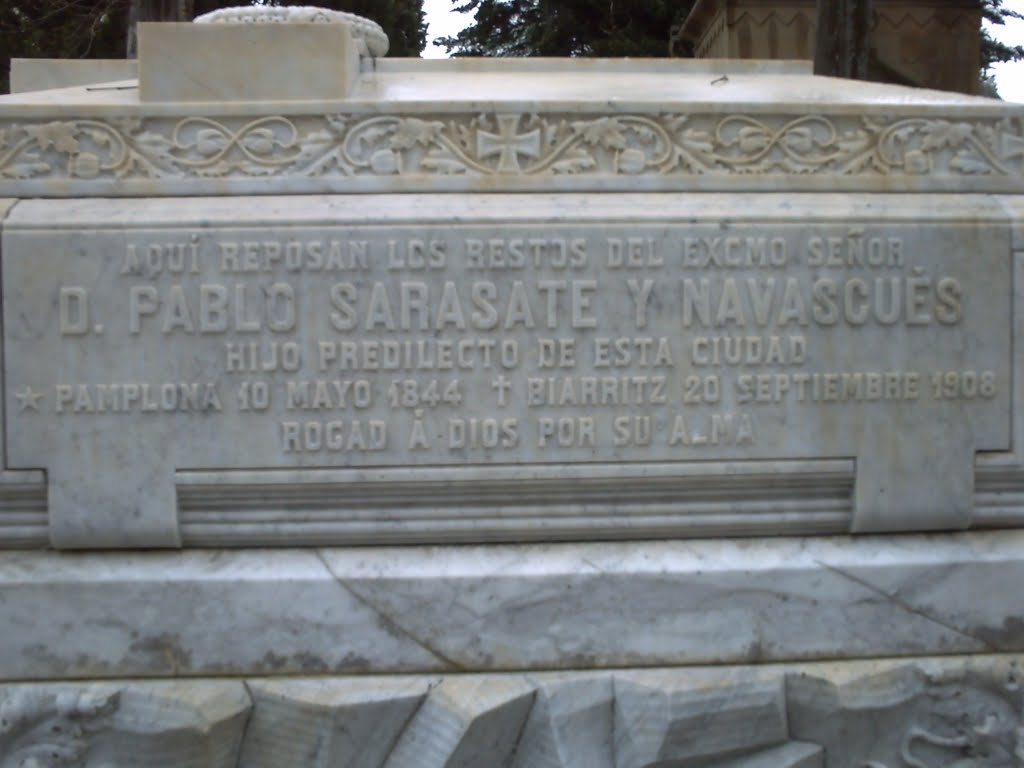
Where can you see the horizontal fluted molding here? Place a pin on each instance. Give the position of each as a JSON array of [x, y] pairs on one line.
[[326, 507], [514, 503], [999, 496], [23, 514]]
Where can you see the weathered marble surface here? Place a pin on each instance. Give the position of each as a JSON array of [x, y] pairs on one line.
[[23, 509], [999, 492], [459, 609], [227, 63], [423, 125], [193, 296], [42, 74], [198, 724], [517, 651], [367, 33], [926, 713]]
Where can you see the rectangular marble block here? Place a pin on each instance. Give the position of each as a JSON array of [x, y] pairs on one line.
[[185, 62], [42, 74], [511, 607], [530, 366]]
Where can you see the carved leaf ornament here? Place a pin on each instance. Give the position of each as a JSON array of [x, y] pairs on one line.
[[671, 145], [957, 740], [41, 730]]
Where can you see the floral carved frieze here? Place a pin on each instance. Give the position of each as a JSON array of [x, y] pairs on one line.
[[671, 146]]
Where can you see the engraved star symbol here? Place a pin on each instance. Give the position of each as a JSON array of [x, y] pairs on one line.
[[28, 400]]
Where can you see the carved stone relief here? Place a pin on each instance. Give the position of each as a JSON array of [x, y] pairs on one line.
[[950, 713], [115, 725], [667, 145]]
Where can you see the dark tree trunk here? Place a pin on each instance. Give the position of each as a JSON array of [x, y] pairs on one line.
[[843, 44]]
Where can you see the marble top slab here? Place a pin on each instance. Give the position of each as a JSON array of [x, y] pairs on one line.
[[504, 125]]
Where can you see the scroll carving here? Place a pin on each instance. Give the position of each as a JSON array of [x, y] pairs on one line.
[[673, 146]]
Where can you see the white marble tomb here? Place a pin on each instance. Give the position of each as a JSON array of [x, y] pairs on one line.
[[653, 414]]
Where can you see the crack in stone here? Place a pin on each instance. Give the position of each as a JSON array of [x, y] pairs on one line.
[[409, 723], [510, 759], [248, 722], [389, 621], [904, 604]]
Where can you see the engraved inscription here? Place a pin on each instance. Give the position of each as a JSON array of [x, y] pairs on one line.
[[367, 345]]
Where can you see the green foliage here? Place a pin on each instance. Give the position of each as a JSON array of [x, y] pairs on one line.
[[60, 29], [75, 29], [567, 27], [993, 51], [615, 28], [98, 28]]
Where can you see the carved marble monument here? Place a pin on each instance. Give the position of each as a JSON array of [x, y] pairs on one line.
[[641, 363]]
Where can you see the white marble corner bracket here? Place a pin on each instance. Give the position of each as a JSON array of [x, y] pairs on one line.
[[999, 492]]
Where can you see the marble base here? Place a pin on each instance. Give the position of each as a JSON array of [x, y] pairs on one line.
[[959, 711], [508, 608]]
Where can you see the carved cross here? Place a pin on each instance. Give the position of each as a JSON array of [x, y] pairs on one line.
[[503, 385], [508, 143]]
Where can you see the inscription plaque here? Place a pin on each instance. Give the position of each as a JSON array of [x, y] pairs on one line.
[[136, 349]]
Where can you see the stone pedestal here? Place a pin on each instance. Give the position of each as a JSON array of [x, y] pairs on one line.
[[508, 414]]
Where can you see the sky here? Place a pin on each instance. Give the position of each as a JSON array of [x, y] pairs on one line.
[[1009, 77]]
